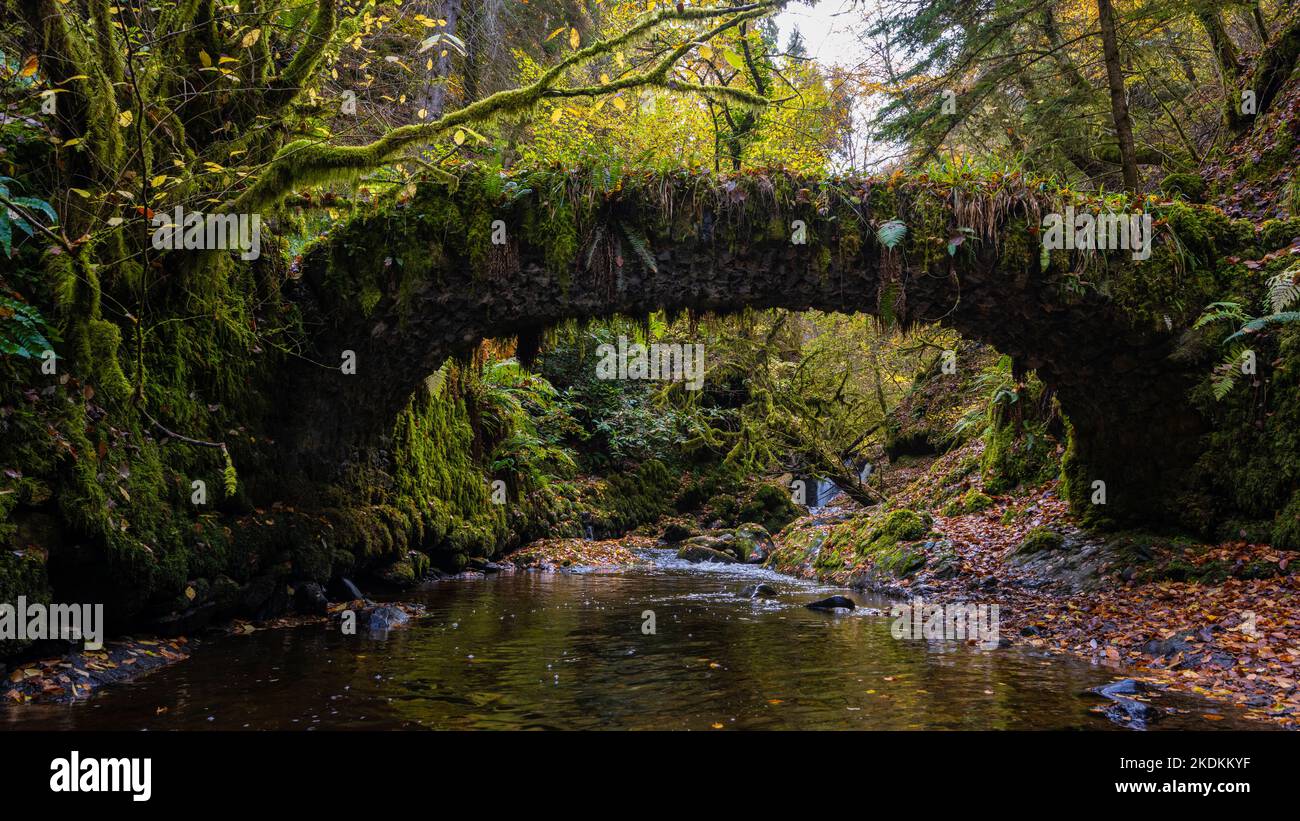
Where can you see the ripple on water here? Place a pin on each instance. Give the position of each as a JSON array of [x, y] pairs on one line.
[[570, 651]]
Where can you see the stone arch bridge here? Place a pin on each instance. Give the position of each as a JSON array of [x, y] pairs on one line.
[[422, 280]]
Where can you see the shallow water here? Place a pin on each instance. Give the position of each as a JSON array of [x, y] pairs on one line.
[[534, 650]]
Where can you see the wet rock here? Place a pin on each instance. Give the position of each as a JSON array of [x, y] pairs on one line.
[[309, 599], [382, 618], [832, 603], [1126, 710], [278, 604], [479, 565], [760, 590], [342, 589], [1133, 713], [752, 543], [253, 595], [676, 532], [1163, 648], [1123, 687], [399, 574], [185, 621], [701, 553]]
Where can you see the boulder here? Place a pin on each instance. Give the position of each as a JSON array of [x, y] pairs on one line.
[[832, 603], [309, 599], [757, 591], [701, 553], [382, 618], [399, 574], [752, 543], [676, 532]]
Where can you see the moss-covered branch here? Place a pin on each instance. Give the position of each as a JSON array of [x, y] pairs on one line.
[[291, 81], [307, 163]]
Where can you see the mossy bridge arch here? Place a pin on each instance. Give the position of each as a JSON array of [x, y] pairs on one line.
[[421, 280]]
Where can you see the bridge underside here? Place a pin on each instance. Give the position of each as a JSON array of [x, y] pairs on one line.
[[424, 280]]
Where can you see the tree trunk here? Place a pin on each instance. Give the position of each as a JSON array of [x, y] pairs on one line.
[[433, 92], [1225, 56], [1275, 64], [1118, 98]]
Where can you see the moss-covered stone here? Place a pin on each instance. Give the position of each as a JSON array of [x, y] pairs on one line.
[[972, 501], [1039, 540]]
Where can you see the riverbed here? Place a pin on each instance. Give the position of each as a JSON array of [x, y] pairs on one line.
[[574, 650]]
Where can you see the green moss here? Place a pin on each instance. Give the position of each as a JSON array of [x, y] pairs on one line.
[[972, 501], [1275, 234], [638, 497], [22, 573], [770, 506], [1286, 527], [1016, 453], [1189, 186], [1038, 540]]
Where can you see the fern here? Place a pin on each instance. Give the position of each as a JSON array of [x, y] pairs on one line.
[[1257, 325], [1220, 311], [891, 233], [22, 330], [639, 245], [1284, 290]]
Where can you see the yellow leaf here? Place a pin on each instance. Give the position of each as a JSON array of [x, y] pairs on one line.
[[575, 39], [619, 104], [604, 78], [428, 64], [250, 39], [422, 113], [706, 51], [80, 192], [189, 593], [458, 137], [555, 34], [618, 59], [556, 115], [125, 118], [29, 66], [205, 59], [72, 142], [158, 180]]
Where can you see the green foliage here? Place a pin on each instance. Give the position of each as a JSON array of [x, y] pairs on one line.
[[11, 218], [24, 333], [891, 233]]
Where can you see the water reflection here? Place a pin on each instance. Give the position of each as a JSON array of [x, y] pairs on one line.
[[567, 651]]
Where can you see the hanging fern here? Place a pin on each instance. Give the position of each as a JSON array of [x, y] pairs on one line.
[[639, 245], [891, 233]]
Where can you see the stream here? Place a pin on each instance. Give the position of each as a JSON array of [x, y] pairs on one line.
[[535, 650]]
